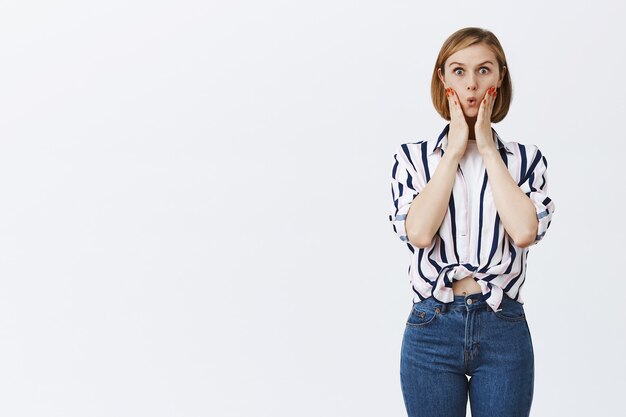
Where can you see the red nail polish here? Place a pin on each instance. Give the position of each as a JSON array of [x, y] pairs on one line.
[[455, 102], [485, 101]]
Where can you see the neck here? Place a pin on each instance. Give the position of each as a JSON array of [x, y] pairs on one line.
[[471, 122]]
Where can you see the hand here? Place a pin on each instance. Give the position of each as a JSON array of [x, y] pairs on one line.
[[458, 133], [482, 128]]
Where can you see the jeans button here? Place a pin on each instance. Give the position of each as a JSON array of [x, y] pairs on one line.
[[469, 301]]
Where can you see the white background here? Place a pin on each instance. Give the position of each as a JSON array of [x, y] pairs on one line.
[[194, 198]]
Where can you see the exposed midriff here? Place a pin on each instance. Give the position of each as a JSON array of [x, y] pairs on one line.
[[466, 286]]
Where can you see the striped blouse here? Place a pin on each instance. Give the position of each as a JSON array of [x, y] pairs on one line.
[[491, 256]]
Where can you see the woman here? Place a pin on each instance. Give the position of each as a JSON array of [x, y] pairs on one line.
[[469, 205]]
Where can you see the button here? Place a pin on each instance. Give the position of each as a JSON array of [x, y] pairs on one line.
[[469, 301]]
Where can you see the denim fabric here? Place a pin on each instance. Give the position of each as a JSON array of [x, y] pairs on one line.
[[444, 344]]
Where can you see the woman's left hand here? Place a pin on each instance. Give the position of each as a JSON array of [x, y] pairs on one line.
[[482, 128]]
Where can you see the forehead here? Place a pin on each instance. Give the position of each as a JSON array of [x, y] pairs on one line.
[[473, 54]]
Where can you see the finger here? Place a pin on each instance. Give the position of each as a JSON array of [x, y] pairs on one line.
[[483, 108], [487, 96], [487, 103], [492, 95], [451, 96], [454, 100], [492, 99]]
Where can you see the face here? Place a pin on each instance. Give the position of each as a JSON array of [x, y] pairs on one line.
[[471, 72]]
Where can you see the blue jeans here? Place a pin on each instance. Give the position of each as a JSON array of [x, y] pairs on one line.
[[443, 343]]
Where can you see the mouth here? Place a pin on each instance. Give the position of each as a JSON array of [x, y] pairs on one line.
[[472, 101]]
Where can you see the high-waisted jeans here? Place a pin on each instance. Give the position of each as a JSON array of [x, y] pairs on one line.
[[445, 343]]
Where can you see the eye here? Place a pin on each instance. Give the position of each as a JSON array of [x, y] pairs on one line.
[[461, 69]]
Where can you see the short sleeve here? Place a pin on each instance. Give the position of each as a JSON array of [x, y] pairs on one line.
[[406, 184], [536, 188]]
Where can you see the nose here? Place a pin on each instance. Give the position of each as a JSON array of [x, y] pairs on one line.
[[471, 85]]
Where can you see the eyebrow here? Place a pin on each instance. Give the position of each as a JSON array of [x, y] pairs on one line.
[[458, 63]]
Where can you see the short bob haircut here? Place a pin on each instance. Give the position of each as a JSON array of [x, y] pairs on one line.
[[462, 39]]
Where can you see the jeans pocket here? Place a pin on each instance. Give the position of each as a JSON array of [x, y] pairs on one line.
[[511, 311], [422, 315]]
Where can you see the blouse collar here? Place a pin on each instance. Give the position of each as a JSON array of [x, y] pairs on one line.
[[442, 141]]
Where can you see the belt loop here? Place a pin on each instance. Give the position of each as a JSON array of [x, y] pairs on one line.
[[444, 307]]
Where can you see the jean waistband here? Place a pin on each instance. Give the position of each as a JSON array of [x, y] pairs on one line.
[[465, 302]]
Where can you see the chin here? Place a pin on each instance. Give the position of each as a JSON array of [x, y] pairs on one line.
[[470, 113]]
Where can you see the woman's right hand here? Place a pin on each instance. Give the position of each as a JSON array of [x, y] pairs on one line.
[[459, 130]]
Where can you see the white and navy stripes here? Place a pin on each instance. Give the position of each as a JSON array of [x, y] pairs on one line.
[[497, 264]]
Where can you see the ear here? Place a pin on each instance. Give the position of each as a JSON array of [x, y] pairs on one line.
[[441, 77]]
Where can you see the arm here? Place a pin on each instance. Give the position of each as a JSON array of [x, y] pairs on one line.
[[525, 210], [535, 187], [515, 209], [430, 206]]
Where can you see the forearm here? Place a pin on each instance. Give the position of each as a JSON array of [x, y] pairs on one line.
[[515, 209], [431, 204]]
